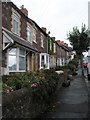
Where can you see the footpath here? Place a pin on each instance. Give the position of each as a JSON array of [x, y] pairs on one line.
[[71, 102], [88, 87]]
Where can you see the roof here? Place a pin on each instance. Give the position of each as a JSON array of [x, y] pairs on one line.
[[64, 47], [20, 41]]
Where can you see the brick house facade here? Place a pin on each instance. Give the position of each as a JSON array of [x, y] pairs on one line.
[[22, 48], [25, 44], [32, 48]]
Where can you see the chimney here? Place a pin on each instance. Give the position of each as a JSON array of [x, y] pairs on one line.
[[24, 10], [53, 39], [62, 42], [58, 41], [44, 29]]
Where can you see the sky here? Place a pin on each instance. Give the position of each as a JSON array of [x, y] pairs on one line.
[[58, 16]]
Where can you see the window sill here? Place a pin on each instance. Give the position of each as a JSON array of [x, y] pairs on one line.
[[29, 42], [16, 34], [34, 41], [16, 71], [42, 46]]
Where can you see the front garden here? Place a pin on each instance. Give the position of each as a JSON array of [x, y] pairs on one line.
[[41, 86]]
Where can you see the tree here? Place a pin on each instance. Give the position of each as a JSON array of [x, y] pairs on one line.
[[79, 39]]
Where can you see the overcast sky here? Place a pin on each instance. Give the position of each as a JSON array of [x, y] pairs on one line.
[[58, 16]]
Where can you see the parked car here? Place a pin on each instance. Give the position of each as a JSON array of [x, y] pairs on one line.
[[85, 65]]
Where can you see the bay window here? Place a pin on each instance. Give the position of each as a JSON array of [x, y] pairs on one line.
[[16, 59], [12, 59], [22, 59]]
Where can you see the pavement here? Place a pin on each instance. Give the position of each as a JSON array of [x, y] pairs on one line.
[[88, 87], [71, 102]]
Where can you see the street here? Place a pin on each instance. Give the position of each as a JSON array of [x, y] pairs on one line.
[[70, 102]]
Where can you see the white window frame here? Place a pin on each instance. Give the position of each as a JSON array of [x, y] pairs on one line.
[[46, 60], [8, 59], [34, 35], [42, 41], [16, 20], [54, 48], [17, 61], [29, 31]]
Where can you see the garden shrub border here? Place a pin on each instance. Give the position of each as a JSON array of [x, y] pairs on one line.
[[30, 102]]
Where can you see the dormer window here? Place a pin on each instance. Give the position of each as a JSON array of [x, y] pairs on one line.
[[15, 23], [29, 34]]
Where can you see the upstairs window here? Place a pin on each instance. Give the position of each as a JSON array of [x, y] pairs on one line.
[[42, 41], [34, 35], [15, 23], [54, 48], [29, 34], [50, 45]]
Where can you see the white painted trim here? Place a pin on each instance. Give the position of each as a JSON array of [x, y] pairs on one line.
[[7, 36], [4, 47], [45, 54]]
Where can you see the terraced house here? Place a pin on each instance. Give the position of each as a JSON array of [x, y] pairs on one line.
[[26, 46]]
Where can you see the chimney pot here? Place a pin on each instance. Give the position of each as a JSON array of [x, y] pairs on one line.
[[24, 10], [53, 38]]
